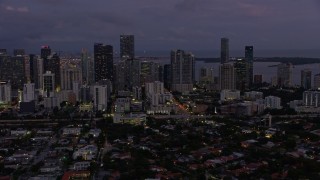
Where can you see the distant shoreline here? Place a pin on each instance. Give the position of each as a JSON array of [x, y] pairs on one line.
[[293, 60]]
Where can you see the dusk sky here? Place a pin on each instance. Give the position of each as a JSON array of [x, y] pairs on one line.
[[70, 25]]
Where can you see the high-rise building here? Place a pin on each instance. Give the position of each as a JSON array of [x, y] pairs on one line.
[[40, 71], [316, 81], [100, 97], [149, 72], [33, 69], [5, 92], [134, 72], [311, 98], [249, 60], [206, 74], [19, 52], [127, 47], [224, 50], [48, 84], [272, 102], [28, 92], [241, 76], [182, 71], [227, 76], [154, 88], [121, 76], [69, 75], [103, 62], [52, 64], [45, 52], [87, 67], [167, 76], [3, 52], [284, 74], [306, 78], [84, 65], [12, 69]]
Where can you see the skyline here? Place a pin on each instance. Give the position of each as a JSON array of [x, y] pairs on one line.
[[185, 24]]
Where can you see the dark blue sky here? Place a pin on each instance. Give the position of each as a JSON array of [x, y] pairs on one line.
[[69, 25]]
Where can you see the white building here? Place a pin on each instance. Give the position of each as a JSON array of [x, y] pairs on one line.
[[5, 92], [28, 92], [100, 97], [311, 98], [229, 95], [154, 88], [272, 102], [156, 95]]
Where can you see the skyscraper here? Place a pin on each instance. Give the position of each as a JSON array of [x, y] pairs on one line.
[[316, 81], [69, 75], [45, 52], [284, 74], [241, 77], [5, 92], [181, 71], [33, 65], [12, 69], [227, 76], [224, 50], [48, 84], [19, 52], [103, 62], [249, 60], [167, 75], [3, 52], [52, 63], [126, 46], [87, 67], [306, 78]]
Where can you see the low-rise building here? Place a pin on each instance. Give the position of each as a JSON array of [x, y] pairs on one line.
[[88, 152]]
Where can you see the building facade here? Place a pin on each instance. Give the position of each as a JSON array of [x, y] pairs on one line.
[[103, 62], [182, 71]]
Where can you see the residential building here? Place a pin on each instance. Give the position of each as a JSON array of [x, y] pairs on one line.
[[5, 92], [28, 92], [182, 71], [241, 67], [249, 60], [273, 102], [311, 98], [100, 97], [227, 76], [284, 74], [224, 50], [103, 62], [316, 81], [48, 84], [306, 78], [229, 95], [127, 50]]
